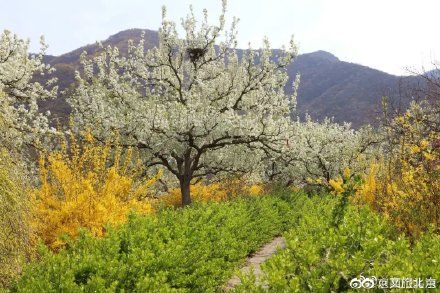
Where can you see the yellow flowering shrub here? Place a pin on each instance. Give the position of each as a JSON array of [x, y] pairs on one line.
[[218, 191], [255, 189], [336, 185], [199, 193], [85, 184], [235, 187], [344, 187], [368, 189], [405, 186]]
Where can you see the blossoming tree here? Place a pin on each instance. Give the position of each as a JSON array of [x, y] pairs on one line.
[[321, 151], [20, 120], [192, 104]]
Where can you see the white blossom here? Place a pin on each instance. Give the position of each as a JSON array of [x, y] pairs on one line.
[[20, 121], [191, 104], [321, 151]]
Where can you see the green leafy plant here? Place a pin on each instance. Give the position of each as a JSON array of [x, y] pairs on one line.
[[193, 249], [322, 258]]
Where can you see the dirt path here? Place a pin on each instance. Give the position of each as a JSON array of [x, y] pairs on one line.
[[256, 260]]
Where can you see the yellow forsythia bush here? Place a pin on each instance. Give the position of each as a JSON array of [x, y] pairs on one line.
[[406, 186], [218, 191], [89, 185], [336, 185]]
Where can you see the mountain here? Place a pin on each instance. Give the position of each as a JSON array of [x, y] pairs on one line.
[[346, 91], [329, 87]]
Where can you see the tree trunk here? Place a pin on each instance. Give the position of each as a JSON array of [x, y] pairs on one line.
[[185, 190]]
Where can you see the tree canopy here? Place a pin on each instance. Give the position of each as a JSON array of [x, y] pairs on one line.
[[191, 104]]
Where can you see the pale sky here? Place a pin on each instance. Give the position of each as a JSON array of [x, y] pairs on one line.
[[389, 35]]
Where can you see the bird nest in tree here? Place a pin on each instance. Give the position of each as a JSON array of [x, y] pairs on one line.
[[195, 53]]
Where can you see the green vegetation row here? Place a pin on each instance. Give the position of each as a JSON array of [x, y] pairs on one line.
[[322, 258], [198, 248], [194, 249]]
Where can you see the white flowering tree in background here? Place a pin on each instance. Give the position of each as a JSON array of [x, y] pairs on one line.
[[321, 151], [20, 121], [192, 105]]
